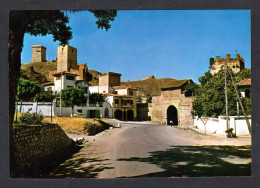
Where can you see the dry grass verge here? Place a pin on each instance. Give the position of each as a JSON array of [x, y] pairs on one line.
[[75, 125]]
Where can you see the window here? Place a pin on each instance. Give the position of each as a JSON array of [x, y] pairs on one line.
[[85, 90], [49, 89], [131, 92], [116, 101], [79, 110], [247, 93], [70, 77]]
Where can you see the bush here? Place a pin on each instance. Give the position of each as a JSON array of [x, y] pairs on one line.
[[96, 127], [31, 118]]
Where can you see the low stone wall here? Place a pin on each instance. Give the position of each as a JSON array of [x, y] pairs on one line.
[[35, 149]]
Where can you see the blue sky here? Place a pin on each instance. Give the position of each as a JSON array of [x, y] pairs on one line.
[[164, 43]]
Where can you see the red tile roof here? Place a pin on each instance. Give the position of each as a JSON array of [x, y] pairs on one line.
[[177, 84], [117, 95], [245, 82], [65, 72], [123, 87], [48, 83]]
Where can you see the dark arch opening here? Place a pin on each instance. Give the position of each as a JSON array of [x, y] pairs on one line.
[[118, 114], [172, 115], [106, 113], [130, 115]]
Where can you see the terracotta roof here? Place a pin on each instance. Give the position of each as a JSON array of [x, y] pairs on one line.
[[123, 87], [245, 82], [65, 72], [177, 84], [48, 83], [117, 95]]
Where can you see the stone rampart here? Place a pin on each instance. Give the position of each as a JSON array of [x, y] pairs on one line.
[[36, 148]]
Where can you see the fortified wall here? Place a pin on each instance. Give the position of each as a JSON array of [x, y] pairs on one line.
[[174, 98], [36, 148], [236, 64]]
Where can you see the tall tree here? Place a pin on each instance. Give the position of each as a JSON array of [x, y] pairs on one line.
[[27, 90], [96, 98], [40, 23], [210, 97], [73, 96]]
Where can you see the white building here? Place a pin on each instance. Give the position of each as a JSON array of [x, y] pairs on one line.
[[63, 80]]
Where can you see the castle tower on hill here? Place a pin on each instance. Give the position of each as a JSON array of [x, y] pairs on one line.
[[38, 53], [67, 62], [66, 58], [236, 64]]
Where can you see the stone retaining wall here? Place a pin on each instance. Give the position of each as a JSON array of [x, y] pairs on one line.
[[36, 148]]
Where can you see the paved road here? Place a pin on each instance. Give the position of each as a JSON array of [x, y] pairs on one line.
[[141, 149]]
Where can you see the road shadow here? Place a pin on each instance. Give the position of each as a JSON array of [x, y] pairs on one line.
[[80, 166], [199, 161]]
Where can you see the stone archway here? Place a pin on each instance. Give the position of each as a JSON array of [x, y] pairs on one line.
[[118, 115], [106, 113], [130, 115], [172, 115]]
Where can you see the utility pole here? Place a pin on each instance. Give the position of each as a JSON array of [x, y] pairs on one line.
[[242, 108], [226, 95], [61, 85]]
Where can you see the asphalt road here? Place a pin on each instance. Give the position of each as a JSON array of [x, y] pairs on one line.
[[141, 149]]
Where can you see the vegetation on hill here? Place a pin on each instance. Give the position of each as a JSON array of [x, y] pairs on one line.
[[150, 86]]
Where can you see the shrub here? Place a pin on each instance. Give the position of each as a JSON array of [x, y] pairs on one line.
[[96, 127], [31, 118]]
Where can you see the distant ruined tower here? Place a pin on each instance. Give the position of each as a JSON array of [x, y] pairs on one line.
[[67, 55], [236, 64], [38, 53]]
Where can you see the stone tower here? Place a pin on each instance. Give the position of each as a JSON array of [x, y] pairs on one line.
[[109, 80], [236, 64], [67, 55], [38, 53]]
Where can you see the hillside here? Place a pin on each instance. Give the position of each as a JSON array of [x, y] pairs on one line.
[[150, 85], [39, 71], [40, 67]]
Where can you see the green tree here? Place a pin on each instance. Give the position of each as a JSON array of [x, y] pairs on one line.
[[211, 61], [243, 74], [204, 79], [27, 90], [45, 96], [73, 96], [36, 22], [96, 98], [210, 98]]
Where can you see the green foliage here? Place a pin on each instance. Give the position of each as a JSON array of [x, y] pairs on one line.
[[243, 74], [211, 61], [191, 88], [45, 96], [210, 98], [31, 118], [73, 96], [27, 89], [204, 79], [95, 98], [96, 127]]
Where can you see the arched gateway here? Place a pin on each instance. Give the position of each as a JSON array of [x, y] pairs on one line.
[[118, 114], [130, 115], [172, 115]]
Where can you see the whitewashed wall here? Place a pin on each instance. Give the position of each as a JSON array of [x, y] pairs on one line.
[[45, 109], [218, 125]]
